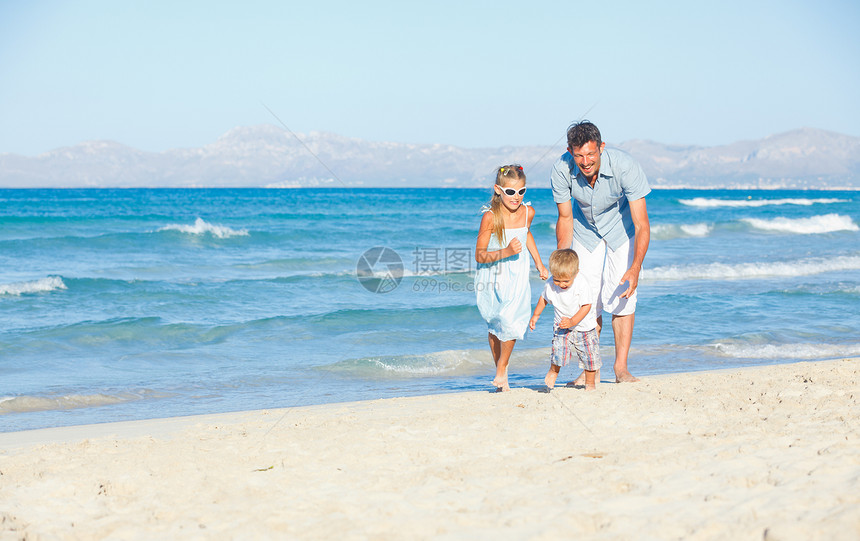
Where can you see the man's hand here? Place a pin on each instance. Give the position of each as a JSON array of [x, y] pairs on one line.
[[631, 276]]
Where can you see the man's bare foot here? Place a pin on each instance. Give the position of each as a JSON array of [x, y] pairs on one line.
[[550, 378], [625, 377]]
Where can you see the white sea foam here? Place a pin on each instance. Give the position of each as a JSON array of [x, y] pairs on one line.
[[449, 363], [788, 351], [675, 231], [20, 404], [741, 271], [202, 227], [461, 362], [826, 223], [424, 365], [705, 202], [42, 285]]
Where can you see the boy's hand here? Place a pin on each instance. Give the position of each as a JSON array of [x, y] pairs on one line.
[[533, 321], [565, 323]]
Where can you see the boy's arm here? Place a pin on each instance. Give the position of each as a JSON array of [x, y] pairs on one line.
[[541, 304], [573, 321]]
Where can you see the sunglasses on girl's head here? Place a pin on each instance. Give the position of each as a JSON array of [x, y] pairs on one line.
[[510, 192]]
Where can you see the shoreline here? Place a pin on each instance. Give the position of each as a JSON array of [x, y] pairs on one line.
[[765, 452], [535, 359]]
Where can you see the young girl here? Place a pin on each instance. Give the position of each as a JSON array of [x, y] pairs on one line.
[[502, 280]]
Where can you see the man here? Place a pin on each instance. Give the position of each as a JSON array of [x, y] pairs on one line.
[[600, 195]]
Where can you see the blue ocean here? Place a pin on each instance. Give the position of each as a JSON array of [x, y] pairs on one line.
[[134, 304]]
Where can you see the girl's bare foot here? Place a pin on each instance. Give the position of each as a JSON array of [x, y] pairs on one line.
[[501, 384]]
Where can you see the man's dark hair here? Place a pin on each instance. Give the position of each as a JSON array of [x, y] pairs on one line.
[[580, 133]]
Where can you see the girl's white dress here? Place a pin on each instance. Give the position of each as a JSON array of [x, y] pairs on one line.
[[502, 288]]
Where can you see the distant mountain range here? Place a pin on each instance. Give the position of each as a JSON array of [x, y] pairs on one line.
[[268, 156]]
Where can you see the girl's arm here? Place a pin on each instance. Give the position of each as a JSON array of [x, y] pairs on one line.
[[573, 321], [541, 304], [532, 247], [484, 234]]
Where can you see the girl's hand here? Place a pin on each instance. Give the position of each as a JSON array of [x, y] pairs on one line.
[[542, 271], [514, 247]]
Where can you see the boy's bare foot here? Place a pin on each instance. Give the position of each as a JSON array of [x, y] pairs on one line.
[[590, 387], [550, 378], [625, 377]]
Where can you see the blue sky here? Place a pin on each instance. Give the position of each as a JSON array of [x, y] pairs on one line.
[[157, 75]]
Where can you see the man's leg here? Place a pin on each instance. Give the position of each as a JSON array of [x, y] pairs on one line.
[[622, 309], [622, 327]]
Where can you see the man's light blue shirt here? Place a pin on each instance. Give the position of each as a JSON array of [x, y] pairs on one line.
[[602, 212]]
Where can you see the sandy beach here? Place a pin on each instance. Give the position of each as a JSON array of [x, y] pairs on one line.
[[757, 453]]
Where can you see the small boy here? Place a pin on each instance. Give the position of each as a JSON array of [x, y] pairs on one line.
[[575, 325]]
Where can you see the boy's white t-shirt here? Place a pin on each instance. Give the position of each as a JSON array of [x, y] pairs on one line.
[[567, 302]]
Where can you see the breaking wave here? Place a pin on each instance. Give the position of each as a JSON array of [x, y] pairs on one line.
[[202, 227], [827, 223], [51, 283], [705, 202], [676, 231], [722, 271]]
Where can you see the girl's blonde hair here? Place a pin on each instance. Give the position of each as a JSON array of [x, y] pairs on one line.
[[505, 176]]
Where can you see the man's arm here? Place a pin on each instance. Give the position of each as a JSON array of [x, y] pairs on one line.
[[564, 226], [639, 214]]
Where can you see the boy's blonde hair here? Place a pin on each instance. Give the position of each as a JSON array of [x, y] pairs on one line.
[[564, 263], [505, 176]]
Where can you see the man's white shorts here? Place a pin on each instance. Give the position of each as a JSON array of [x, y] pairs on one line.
[[603, 268]]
